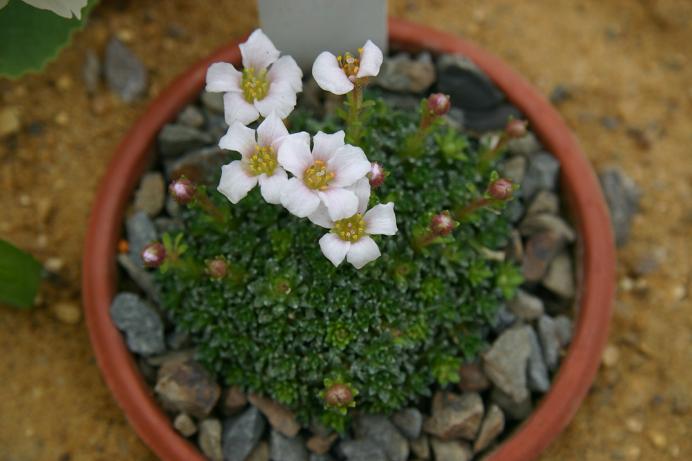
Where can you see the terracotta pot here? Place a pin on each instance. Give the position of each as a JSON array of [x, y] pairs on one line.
[[579, 184]]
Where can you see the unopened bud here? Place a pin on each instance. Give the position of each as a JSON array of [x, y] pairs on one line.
[[439, 104], [376, 175], [338, 395], [442, 224], [501, 189], [516, 128], [153, 255], [182, 190], [217, 268]]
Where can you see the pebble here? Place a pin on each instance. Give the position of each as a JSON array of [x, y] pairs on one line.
[[611, 356], [452, 450], [191, 116], [492, 426], [472, 378], [622, 196], [560, 93], [209, 439], [563, 328], [142, 278], [490, 119], [421, 447], [514, 168], [54, 264], [541, 174], [547, 333], [139, 321], [175, 138], [380, 430], [538, 379], [559, 277], [544, 202], [525, 146], [526, 306], [213, 101], [186, 386], [504, 318], [542, 222], [260, 452], [455, 416], [515, 410], [468, 87], [184, 424], [634, 425], [234, 401], [658, 439], [125, 74], [62, 118], [321, 444], [67, 312], [140, 232], [282, 448], [151, 194], [405, 74], [540, 250], [505, 362], [280, 418], [241, 434], [64, 82], [10, 123], [409, 421], [361, 450], [201, 166], [318, 457], [91, 71]]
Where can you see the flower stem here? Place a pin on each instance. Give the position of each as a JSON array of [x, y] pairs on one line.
[[208, 206], [489, 156], [354, 124], [463, 212]]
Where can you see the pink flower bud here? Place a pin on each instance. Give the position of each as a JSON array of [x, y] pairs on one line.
[[153, 255], [439, 104], [182, 190], [442, 224], [338, 395], [217, 268], [376, 175], [516, 128], [501, 189]]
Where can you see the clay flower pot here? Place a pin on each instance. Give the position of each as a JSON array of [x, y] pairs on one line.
[[579, 184]]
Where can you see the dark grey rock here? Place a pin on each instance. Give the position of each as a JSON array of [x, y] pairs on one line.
[[544, 202], [402, 73], [535, 223], [191, 116], [452, 450], [139, 321], [492, 426], [503, 319], [563, 326], [241, 434], [186, 386], [177, 339], [142, 278], [361, 450], [455, 416], [540, 250], [525, 146], [541, 174], [456, 118], [490, 119], [421, 447], [514, 410], [174, 139], [184, 424], [150, 194], [560, 94], [216, 126], [538, 379], [140, 232], [514, 211], [526, 306], [548, 334], [125, 73], [406, 102], [467, 85], [324, 457], [609, 122], [201, 166], [147, 370], [91, 71], [172, 207], [559, 278], [212, 101], [282, 448], [505, 362], [514, 168], [622, 196], [409, 421], [381, 431], [472, 378], [209, 439]]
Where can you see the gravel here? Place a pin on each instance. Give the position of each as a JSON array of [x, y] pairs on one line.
[[125, 74], [241, 434], [505, 363], [622, 195], [139, 322]]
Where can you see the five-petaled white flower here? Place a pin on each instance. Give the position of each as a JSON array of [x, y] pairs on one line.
[[350, 237], [64, 8], [259, 160], [259, 89], [339, 75], [322, 175]]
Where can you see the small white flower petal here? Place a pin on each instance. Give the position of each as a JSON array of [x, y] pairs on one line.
[[237, 109], [370, 60], [298, 199], [325, 145], [223, 77], [272, 187], [362, 190], [294, 155], [362, 252], [329, 76], [340, 203], [380, 220], [271, 130], [321, 217], [301, 136], [286, 69], [334, 248], [64, 8], [235, 182], [281, 98], [239, 138], [349, 164], [258, 51]]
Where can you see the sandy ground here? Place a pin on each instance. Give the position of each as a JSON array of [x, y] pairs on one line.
[[627, 64]]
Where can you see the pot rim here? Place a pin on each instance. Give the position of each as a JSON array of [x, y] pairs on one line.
[[578, 181]]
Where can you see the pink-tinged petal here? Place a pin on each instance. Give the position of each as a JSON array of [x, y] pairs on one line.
[[334, 248], [294, 155], [325, 145], [329, 76], [223, 77], [380, 219], [349, 164], [235, 181], [301, 136], [240, 139], [370, 60], [286, 69], [321, 217], [362, 252], [340, 203], [298, 199], [272, 187], [237, 109], [280, 99], [362, 190], [258, 51], [270, 130]]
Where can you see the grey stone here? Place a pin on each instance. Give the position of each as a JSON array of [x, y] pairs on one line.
[[456, 118], [191, 116], [125, 73], [538, 379], [452, 450], [212, 101], [512, 409], [542, 222], [409, 421], [560, 93], [201, 166], [514, 168], [467, 85], [559, 278], [361, 450], [150, 194], [186, 386], [420, 447], [381, 431], [184, 424], [490, 119], [241, 434], [91, 71], [548, 334], [216, 126], [563, 327], [492, 426], [142, 278], [526, 306], [622, 196], [139, 321], [526, 145], [174, 139], [544, 202], [164, 224], [282, 448], [505, 362], [540, 250], [140, 232], [209, 439], [173, 208], [405, 74], [541, 174], [504, 318], [323, 457], [454, 416], [472, 378], [405, 102], [514, 211]]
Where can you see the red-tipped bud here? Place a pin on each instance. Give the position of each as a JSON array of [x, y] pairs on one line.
[[217, 268], [501, 189], [442, 224], [153, 255], [439, 104], [182, 190], [516, 128], [338, 395], [377, 174]]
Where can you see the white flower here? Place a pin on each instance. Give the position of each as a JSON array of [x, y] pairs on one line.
[[338, 75], [259, 160], [350, 238], [64, 8], [259, 89], [322, 175]]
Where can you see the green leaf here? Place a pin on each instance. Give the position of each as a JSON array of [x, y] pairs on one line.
[[20, 275], [31, 37]]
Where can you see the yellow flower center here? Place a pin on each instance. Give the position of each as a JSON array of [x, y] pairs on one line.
[[350, 64], [350, 229], [254, 84], [263, 161], [316, 175]]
